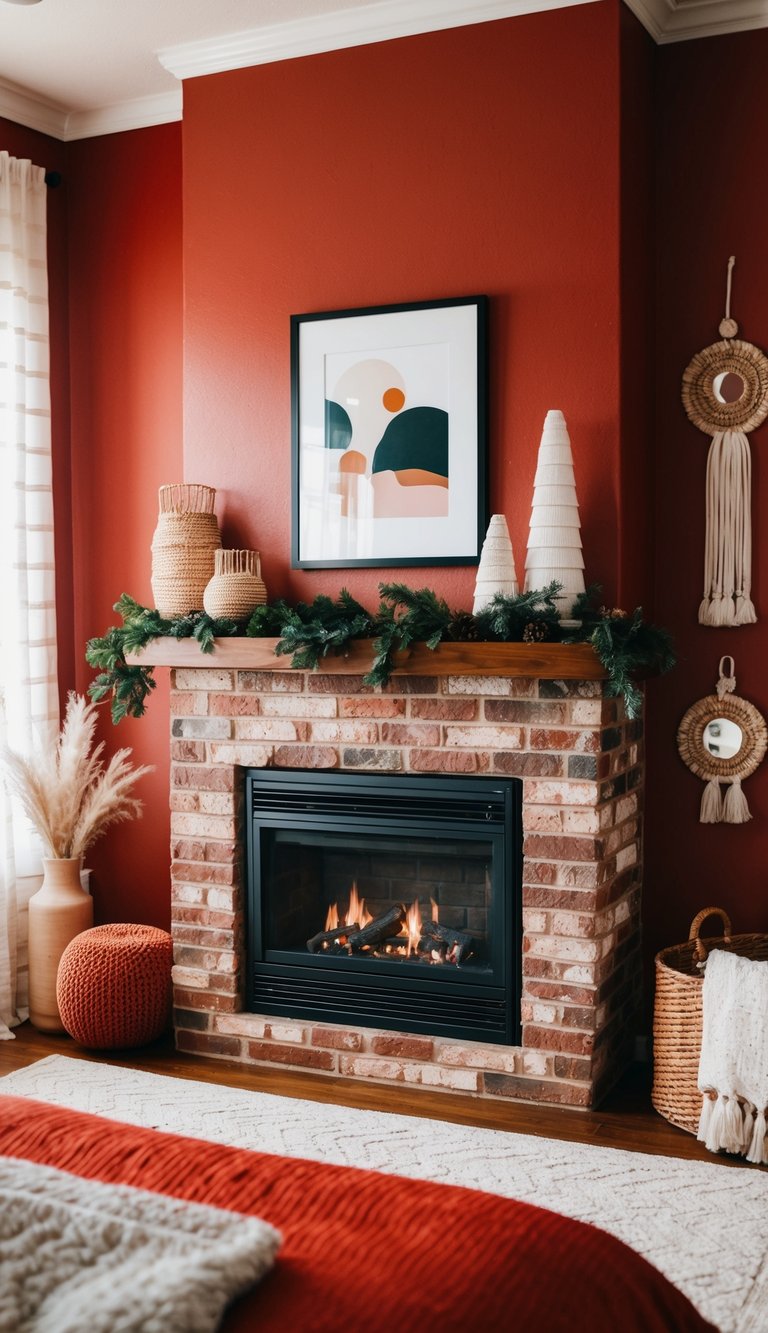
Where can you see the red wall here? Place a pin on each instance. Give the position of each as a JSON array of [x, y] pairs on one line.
[[712, 202], [480, 159], [125, 346]]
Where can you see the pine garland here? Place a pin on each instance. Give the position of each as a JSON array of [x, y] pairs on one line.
[[625, 644]]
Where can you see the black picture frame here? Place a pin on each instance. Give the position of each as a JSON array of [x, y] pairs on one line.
[[396, 474]]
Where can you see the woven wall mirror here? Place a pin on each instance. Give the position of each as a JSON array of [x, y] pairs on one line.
[[725, 394], [723, 739]]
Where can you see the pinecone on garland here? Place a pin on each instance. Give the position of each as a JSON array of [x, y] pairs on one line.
[[612, 613], [464, 628], [535, 632]]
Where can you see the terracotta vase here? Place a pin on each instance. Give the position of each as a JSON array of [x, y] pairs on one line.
[[57, 912]]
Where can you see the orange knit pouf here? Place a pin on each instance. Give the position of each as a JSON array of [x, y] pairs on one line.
[[114, 986]]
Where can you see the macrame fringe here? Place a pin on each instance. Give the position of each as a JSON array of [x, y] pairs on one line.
[[735, 808], [711, 803], [728, 547], [727, 1124]]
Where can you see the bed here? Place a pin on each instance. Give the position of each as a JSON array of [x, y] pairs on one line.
[[365, 1251]]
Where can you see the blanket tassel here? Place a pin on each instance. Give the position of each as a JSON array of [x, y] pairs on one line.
[[757, 1151]]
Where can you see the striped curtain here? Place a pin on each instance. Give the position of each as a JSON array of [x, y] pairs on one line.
[[29, 709]]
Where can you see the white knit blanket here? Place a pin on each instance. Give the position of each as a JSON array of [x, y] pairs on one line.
[[733, 1069], [77, 1254]]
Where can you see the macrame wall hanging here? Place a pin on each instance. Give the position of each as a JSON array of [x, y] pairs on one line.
[[723, 739], [725, 393]]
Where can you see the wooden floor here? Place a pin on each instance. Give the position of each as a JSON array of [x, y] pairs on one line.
[[626, 1120]]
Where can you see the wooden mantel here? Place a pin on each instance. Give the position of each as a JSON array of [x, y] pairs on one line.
[[545, 661]]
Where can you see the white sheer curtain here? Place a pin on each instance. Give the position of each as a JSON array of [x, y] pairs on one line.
[[28, 689]]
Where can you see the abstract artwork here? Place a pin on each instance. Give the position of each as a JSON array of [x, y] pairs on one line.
[[389, 434]]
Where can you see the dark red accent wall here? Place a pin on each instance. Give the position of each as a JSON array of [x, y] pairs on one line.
[[712, 201], [482, 159], [125, 350]]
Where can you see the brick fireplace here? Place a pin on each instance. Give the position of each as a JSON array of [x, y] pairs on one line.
[[539, 715]]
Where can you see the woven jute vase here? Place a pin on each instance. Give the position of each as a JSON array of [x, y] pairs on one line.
[[58, 911], [237, 587], [184, 548]]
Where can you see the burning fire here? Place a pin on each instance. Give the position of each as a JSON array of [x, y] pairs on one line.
[[412, 928], [355, 915]]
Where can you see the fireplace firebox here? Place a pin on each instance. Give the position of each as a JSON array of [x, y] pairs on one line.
[[389, 901]]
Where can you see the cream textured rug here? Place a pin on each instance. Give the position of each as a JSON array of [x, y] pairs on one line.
[[705, 1226]]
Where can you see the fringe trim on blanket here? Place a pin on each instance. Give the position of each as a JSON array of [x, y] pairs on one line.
[[728, 1124]]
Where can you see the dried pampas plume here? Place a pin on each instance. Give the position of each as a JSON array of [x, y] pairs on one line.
[[65, 790]]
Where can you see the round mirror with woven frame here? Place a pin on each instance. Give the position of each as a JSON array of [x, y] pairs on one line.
[[696, 750]]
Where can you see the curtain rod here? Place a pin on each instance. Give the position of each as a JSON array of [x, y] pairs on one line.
[[53, 179]]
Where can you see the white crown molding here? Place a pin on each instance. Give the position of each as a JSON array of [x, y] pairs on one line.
[[135, 115], [344, 28], [25, 108], [683, 20]]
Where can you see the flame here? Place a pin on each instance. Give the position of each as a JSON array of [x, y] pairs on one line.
[[412, 927], [356, 914], [435, 916]]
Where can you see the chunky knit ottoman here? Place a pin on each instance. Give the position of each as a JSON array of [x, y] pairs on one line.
[[114, 986]]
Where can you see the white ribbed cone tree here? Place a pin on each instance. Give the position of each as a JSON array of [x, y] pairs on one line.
[[554, 538], [496, 571]]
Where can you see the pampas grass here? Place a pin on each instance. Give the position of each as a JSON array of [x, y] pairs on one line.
[[66, 791]]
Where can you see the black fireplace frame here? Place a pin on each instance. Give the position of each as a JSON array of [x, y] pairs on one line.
[[403, 996]]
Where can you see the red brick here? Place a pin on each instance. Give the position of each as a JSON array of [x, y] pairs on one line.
[[224, 851], [213, 777], [525, 711], [306, 756], [559, 990], [387, 761], [586, 742], [234, 705], [403, 684], [530, 765], [546, 845], [274, 1053], [204, 938], [445, 710], [541, 895], [187, 849], [371, 706], [202, 916], [406, 1048], [194, 1019], [537, 1090], [188, 752], [337, 1039], [327, 684], [556, 1039], [203, 872], [183, 702], [569, 1066], [207, 1043], [447, 761], [409, 733], [271, 682], [203, 999]]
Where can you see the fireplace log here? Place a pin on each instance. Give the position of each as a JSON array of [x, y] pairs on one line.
[[458, 943], [336, 936], [379, 929]]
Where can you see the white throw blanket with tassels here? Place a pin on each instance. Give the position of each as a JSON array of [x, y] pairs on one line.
[[734, 1056]]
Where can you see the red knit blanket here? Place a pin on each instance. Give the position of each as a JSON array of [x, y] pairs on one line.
[[371, 1252]]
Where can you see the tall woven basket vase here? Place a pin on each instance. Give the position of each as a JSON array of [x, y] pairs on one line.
[[678, 1016], [184, 548]]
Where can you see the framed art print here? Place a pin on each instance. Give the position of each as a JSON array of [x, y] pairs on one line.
[[389, 428]]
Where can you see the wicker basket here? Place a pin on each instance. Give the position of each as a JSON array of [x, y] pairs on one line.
[[677, 1017], [184, 546]]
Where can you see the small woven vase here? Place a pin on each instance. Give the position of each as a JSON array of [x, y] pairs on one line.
[[237, 587], [184, 546]]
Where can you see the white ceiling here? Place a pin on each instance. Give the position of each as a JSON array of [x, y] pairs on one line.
[[74, 68]]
